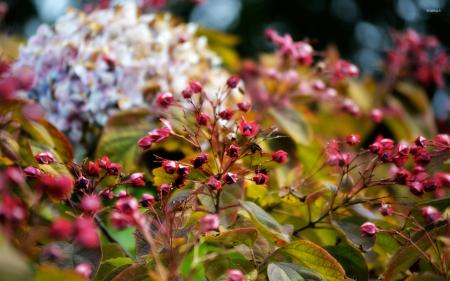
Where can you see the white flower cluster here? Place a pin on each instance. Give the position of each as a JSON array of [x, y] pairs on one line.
[[91, 65]]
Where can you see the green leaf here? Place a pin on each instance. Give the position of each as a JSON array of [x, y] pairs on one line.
[[52, 273], [293, 124], [135, 272], [351, 260], [265, 223], [246, 236], [407, 255], [283, 271], [349, 227], [120, 135], [314, 257], [216, 268]]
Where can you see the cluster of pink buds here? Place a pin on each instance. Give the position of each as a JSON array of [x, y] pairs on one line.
[[419, 56], [300, 52], [219, 128], [419, 155], [83, 230]]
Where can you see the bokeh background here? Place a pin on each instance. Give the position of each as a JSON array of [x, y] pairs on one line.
[[359, 29]]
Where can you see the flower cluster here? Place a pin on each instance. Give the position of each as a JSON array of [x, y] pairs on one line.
[[419, 56], [91, 65], [217, 127]]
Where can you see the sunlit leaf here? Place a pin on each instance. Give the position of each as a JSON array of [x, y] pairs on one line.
[[314, 257], [293, 124]]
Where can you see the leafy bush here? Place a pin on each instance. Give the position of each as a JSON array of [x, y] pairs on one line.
[[292, 181]]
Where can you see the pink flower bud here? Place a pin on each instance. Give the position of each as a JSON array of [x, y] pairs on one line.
[[353, 139], [169, 166], [214, 183], [279, 156], [230, 178], [186, 93], [137, 179], [147, 200], [32, 172], [120, 220], [57, 187], [86, 233], [368, 229], [248, 128], [233, 81], [209, 222], [183, 171], [195, 87], [416, 188], [84, 269], [261, 179], [127, 205], [198, 161], [244, 106], [420, 141], [163, 188], [235, 275], [45, 157], [226, 114], [430, 214], [91, 204], [104, 162], [233, 151], [202, 119], [377, 115], [145, 142], [82, 183], [386, 209], [114, 169], [93, 169], [164, 100], [61, 229]]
